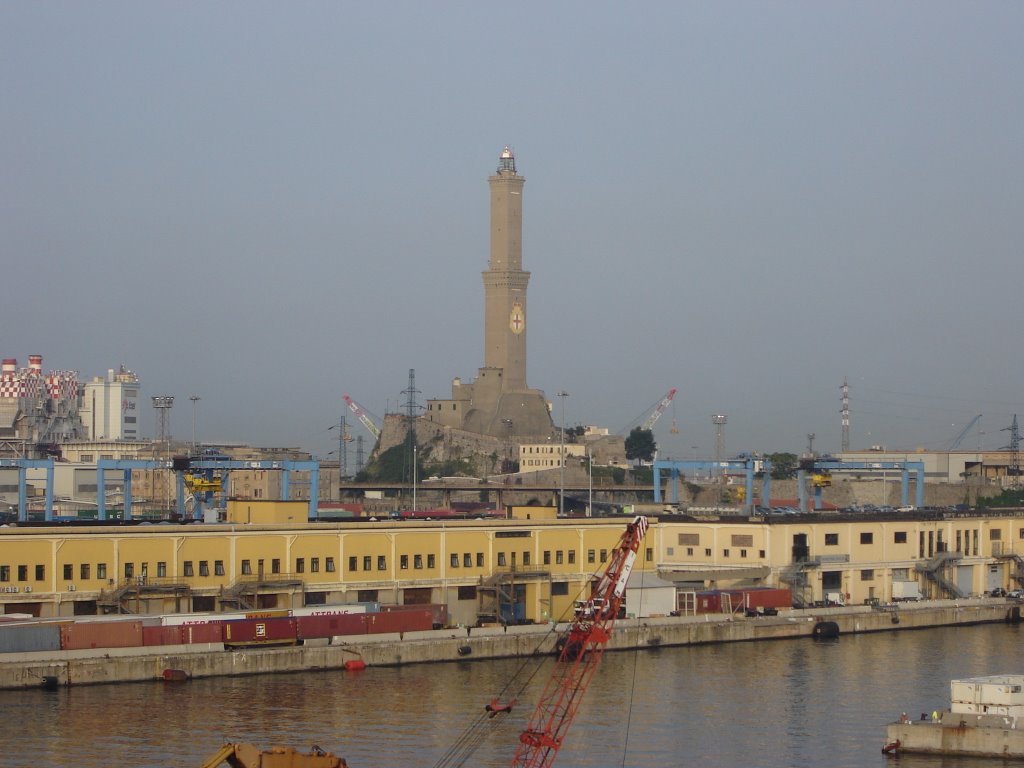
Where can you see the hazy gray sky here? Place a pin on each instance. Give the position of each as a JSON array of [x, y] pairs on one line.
[[271, 204]]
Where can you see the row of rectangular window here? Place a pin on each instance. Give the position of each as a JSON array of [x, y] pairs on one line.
[[865, 537], [469, 560], [5, 573], [707, 552], [465, 560], [188, 569]]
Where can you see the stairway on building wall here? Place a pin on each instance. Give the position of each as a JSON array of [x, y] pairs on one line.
[[934, 570]]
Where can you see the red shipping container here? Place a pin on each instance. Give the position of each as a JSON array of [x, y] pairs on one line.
[[77, 636], [768, 597], [439, 611], [400, 621], [772, 598], [162, 636], [209, 632], [308, 627], [274, 631], [709, 602]]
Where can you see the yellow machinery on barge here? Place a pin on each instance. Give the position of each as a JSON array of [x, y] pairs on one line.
[[249, 756]]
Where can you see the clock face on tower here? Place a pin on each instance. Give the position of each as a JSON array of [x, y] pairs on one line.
[[517, 319]]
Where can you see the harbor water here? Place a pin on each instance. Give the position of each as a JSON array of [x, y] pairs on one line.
[[768, 704]]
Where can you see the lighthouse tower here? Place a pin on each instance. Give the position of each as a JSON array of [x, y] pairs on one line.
[[499, 402], [505, 281]]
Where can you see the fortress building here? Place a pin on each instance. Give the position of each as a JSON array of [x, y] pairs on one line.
[[499, 403]]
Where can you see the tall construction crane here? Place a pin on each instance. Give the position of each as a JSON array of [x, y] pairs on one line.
[[582, 647], [361, 415], [660, 409], [963, 433]]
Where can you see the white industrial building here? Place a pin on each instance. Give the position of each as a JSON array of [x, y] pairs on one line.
[[110, 406]]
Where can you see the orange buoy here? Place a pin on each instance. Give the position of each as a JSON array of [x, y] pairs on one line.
[[354, 665]]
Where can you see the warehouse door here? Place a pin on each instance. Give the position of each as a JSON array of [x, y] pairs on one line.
[[965, 579], [995, 578]]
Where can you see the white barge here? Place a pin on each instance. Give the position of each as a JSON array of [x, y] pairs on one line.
[[985, 719]]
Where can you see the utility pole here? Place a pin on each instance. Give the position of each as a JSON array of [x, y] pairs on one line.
[[342, 448], [1014, 469], [412, 409], [561, 485], [845, 413], [590, 484], [343, 439]]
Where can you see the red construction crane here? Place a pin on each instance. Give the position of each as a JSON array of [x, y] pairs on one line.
[[656, 414], [362, 415], [582, 647]]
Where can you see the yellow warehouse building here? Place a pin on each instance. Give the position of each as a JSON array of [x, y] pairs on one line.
[[538, 566]]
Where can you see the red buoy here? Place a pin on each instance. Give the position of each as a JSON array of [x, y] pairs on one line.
[[354, 665]]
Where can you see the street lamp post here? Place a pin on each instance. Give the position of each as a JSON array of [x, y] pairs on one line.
[[719, 420], [590, 489], [195, 445], [561, 443]]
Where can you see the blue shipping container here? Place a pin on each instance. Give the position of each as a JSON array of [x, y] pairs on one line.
[[27, 638]]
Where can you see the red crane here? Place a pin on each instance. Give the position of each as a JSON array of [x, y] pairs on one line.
[[580, 650], [660, 409], [582, 647]]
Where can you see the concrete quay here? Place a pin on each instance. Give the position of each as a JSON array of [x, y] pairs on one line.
[[118, 665], [955, 734]]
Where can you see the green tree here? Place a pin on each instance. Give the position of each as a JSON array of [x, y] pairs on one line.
[[784, 465], [391, 466], [640, 445], [574, 434]]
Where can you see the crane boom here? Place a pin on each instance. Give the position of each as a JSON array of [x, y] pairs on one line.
[[581, 649], [963, 433], [361, 415], [656, 413]]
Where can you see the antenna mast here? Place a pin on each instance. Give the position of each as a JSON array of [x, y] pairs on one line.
[[845, 413]]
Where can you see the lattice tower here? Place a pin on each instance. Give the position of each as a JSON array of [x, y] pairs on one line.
[[845, 414]]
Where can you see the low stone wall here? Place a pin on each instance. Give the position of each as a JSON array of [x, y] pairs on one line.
[[135, 664]]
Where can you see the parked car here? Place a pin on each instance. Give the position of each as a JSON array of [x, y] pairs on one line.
[[1016, 594]]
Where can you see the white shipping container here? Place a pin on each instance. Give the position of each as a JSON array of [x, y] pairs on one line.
[[180, 619], [996, 690]]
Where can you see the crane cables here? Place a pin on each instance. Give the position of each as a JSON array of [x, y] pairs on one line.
[[481, 727]]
